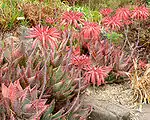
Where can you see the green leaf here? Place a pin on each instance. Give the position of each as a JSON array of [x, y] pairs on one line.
[[58, 114], [3, 5], [67, 85], [48, 113], [57, 86], [96, 16], [58, 74], [67, 93], [26, 101], [114, 37]]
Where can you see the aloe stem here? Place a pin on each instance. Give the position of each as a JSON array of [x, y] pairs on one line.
[[45, 72], [126, 38]]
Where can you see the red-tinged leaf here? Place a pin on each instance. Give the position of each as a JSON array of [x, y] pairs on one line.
[[47, 36], [93, 78], [96, 74], [28, 108], [26, 95], [120, 73], [107, 69], [28, 71], [50, 20], [123, 13], [31, 80], [82, 118], [71, 18], [37, 116], [121, 66], [80, 61], [17, 53], [112, 23], [106, 12], [35, 42], [140, 13], [38, 103], [14, 92], [5, 91], [37, 107], [17, 84], [12, 117], [1, 57], [98, 79], [34, 92], [90, 31], [81, 88], [4, 68], [142, 64], [102, 78]]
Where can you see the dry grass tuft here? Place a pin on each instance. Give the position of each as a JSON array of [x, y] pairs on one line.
[[31, 12], [140, 81]]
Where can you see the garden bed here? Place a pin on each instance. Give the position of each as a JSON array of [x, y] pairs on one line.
[[66, 60]]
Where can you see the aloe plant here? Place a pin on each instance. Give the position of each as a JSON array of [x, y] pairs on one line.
[[107, 54], [62, 85], [24, 103]]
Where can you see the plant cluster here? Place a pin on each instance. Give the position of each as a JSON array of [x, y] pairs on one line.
[[36, 85], [126, 19], [28, 12], [122, 21], [68, 52]]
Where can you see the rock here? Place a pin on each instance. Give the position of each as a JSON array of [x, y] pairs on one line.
[[145, 112], [110, 102], [104, 110]]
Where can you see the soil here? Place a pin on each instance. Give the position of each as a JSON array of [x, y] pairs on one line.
[[117, 93]]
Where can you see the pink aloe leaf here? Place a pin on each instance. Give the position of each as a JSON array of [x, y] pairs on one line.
[[5, 91]]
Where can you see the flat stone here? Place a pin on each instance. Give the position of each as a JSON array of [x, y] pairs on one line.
[[145, 112], [103, 110], [111, 110], [110, 102]]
